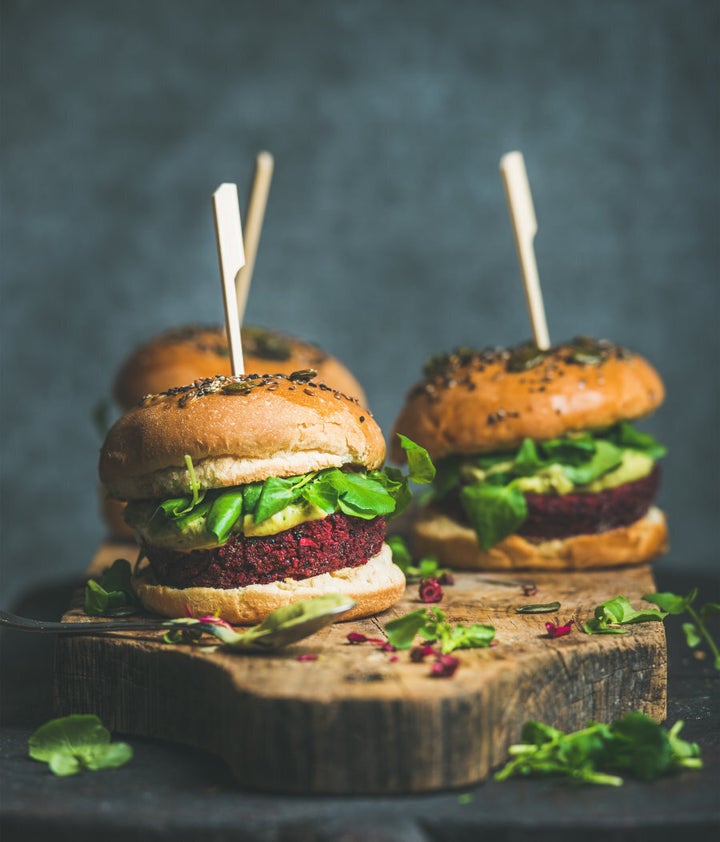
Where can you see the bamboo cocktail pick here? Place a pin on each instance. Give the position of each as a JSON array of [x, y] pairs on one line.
[[231, 254], [257, 203], [522, 215]]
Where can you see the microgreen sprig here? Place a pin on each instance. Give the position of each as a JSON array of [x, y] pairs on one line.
[[696, 631], [635, 744], [614, 613], [431, 625], [425, 568], [113, 594]]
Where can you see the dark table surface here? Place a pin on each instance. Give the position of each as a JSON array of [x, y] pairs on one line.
[[170, 792]]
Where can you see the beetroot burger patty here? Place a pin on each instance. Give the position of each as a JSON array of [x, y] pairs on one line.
[[310, 549], [559, 516]]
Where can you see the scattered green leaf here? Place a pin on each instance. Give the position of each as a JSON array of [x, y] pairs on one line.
[[635, 744], [113, 592], [72, 744], [539, 608], [617, 612], [280, 628], [426, 568], [696, 631], [431, 624]]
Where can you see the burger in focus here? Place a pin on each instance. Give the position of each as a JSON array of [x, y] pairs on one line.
[[184, 354], [539, 463], [250, 493]]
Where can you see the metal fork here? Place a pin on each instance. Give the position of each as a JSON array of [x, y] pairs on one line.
[[12, 621]]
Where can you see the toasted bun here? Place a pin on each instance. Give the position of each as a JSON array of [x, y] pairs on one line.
[[455, 545], [184, 354], [237, 430], [475, 402], [374, 586]]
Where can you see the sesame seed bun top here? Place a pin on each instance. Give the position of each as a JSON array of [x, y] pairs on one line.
[[236, 430], [482, 401]]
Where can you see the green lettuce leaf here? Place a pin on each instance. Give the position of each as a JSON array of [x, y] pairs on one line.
[[494, 512], [224, 511], [112, 591], [486, 483], [420, 467], [359, 494], [605, 458]]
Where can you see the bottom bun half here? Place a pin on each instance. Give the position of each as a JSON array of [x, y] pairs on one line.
[[455, 546], [373, 586]]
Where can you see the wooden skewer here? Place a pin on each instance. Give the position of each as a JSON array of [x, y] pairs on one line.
[[257, 203], [231, 255], [522, 215]]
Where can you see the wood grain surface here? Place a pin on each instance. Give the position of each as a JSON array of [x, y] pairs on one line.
[[360, 720]]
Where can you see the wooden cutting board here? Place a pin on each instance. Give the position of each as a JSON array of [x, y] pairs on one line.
[[359, 720]]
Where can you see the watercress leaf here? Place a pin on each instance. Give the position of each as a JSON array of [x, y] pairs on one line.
[[598, 626], [224, 512], [476, 636], [174, 507], [436, 614], [619, 610], [322, 493], [276, 494], [107, 756], [640, 745], [98, 601], [487, 461], [251, 494], [68, 734], [400, 552], [118, 577], [197, 513], [569, 450], [493, 511], [291, 622], [670, 602], [74, 742], [682, 749], [63, 764], [96, 598], [361, 496], [447, 477], [605, 459], [396, 484], [420, 467], [427, 567], [402, 631], [537, 733], [693, 637], [625, 435], [527, 460], [709, 609]]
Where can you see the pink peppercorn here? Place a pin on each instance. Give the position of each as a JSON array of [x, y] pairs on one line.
[[553, 630], [431, 590], [444, 666]]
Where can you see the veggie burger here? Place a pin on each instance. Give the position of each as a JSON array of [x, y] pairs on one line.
[[538, 464], [249, 493], [183, 354]]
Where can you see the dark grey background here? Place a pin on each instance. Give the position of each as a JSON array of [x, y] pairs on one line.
[[387, 235]]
